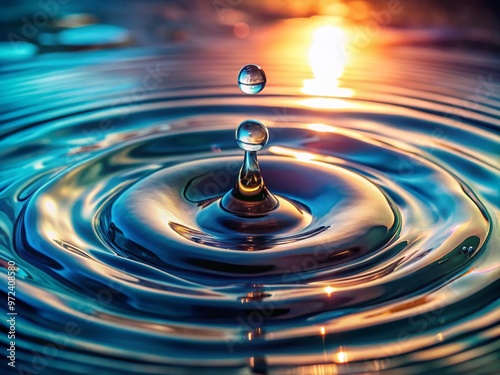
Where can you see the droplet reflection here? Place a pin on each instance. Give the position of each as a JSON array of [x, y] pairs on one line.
[[251, 79]]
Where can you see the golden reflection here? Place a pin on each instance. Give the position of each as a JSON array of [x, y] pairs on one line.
[[49, 226], [329, 290], [322, 128], [326, 103], [341, 356], [299, 155], [328, 59], [50, 206]]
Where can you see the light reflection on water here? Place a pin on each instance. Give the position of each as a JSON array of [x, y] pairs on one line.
[[328, 59], [395, 170]]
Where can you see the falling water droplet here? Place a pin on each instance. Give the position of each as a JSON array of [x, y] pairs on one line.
[[251, 79]]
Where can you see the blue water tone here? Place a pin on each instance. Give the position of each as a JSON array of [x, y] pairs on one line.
[[381, 257]]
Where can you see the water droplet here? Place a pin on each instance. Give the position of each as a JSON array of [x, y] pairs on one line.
[[251, 135], [251, 79], [250, 196], [467, 251]]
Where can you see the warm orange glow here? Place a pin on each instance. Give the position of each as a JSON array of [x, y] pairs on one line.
[[51, 234], [299, 155], [329, 290], [335, 9], [328, 61], [323, 331], [341, 356], [326, 103]]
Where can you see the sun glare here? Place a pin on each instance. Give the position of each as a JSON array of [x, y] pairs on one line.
[[328, 60]]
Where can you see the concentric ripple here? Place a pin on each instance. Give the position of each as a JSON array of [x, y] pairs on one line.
[[110, 209]]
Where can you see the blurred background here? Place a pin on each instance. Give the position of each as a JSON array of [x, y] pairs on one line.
[[152, 22]]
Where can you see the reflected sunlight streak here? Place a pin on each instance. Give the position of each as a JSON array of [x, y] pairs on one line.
[[285, 151], [329, 290], [341, 356], [328, 62]]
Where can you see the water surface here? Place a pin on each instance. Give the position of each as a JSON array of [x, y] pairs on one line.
[[112, 156]]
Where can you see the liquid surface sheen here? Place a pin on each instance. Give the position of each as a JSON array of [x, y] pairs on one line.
[[113, 170]]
